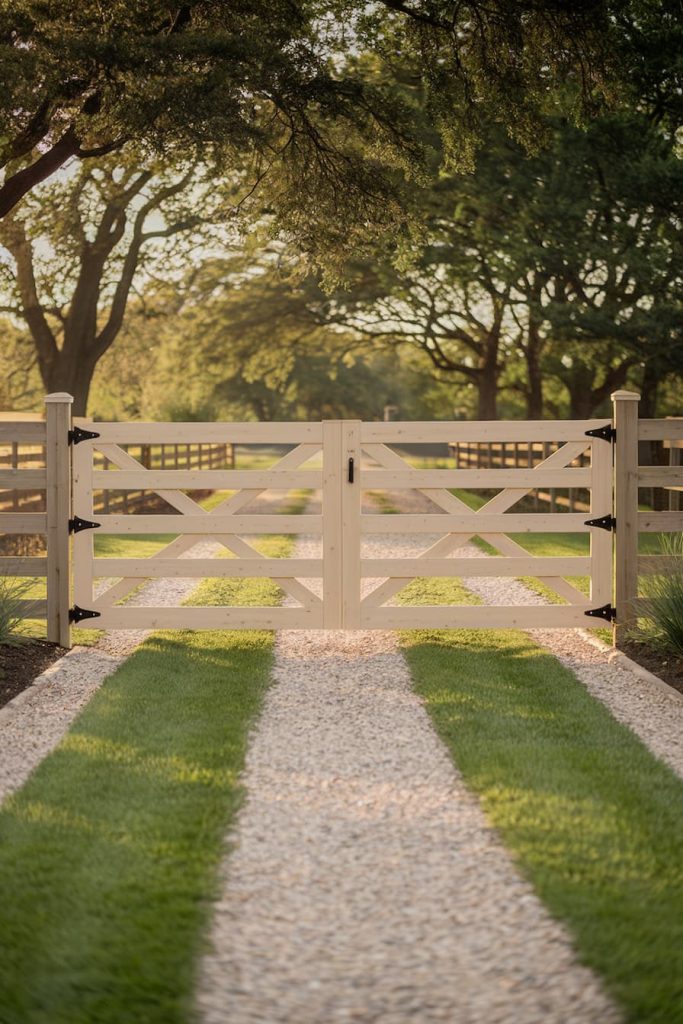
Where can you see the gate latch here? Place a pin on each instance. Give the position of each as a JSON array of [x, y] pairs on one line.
[[77, 524], [350, 471], [607, 612]]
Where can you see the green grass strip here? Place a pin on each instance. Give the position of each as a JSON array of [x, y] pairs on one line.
[[108, 854], [592, 818]]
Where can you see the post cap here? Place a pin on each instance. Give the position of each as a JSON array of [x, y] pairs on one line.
[[59, 396], [625, 396]]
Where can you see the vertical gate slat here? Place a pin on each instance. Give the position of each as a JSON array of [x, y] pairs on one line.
[[601, 541], [332, 524], [351, 506], [83, 541]]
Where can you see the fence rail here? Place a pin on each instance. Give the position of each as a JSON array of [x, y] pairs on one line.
[[22, 485]]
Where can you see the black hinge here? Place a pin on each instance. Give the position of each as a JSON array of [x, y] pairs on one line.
[[607, 612], [78, 434], [77, 614], [603, 522], [606, 433], [77, 524]]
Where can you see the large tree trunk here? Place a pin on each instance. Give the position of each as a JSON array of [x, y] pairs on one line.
[[487, 380], [72, 376], [534, 389]]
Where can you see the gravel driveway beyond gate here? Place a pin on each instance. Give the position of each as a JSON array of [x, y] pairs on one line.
[[365, 884]]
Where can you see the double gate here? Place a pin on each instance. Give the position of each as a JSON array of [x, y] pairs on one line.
[[360, 548]]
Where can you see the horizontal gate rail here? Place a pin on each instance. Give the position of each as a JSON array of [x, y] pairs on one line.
[[200, 568], [411, 568], [481, 430], [202, 525], [205, 479], [476, 524]]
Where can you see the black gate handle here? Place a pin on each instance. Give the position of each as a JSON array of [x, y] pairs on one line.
[[350, 471]]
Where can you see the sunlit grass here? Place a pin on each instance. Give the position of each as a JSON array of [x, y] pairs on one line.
[[108, 854], [593, 819]]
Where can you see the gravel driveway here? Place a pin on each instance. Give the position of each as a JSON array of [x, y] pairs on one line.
[[365, 884]]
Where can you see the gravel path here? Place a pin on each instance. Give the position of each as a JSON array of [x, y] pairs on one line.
[[365, 884]]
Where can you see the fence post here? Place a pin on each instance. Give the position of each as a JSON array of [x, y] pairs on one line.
[[58, 503], [625, 509]]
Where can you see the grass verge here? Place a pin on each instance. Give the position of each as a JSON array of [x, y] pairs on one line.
[[592, 818], [108, 854]]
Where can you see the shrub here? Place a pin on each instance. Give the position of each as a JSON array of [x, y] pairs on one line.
[[12, 593], [665, 594]]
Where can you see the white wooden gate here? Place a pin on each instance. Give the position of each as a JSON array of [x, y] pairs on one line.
[[340, 462]]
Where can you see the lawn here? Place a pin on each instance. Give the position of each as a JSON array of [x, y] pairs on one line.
[[108, 854], [590, 816]]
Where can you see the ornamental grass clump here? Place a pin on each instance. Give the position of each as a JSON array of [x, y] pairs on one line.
[[665, 595], [12, 593]]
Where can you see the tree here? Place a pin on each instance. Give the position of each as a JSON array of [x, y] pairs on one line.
[[564, 263], [82, 80], [79, 246]]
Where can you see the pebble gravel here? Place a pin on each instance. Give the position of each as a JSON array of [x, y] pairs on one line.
[[362, 882]]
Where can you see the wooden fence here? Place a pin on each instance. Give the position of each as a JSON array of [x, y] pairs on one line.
[[515, 455], [631, 478], [48, 471], [17, 456]]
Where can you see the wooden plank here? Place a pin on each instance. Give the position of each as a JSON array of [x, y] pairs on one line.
[[23, 479], [653, 522], [475, 523], [410, 568], [23, 522], [24, 432], [625, 508], [23, 566], [483, 430], [83, 542], [207, 525], [601, 541], [189, 617], [658, 476], [198, 568], [660, 430], [332, 524], [207, 479], [474, 478], [58, 506], [478, 617], [206, 433], [351, 515]]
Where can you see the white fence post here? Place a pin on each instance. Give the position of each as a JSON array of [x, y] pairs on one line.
[[58, 501], [625, 509]]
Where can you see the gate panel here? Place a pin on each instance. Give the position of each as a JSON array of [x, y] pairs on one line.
[[341, 460], [453, 523], [188, 522]]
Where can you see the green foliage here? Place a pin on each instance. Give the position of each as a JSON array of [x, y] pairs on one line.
[[591, 817], [664, 591], [13, 592]]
